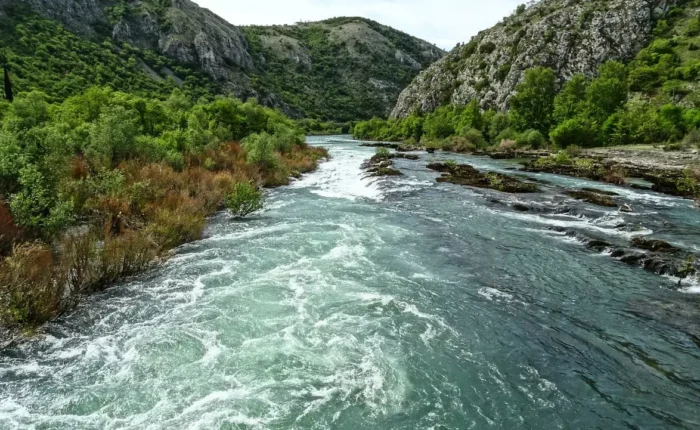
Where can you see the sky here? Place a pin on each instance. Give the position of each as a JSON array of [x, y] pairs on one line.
[[442, 22]]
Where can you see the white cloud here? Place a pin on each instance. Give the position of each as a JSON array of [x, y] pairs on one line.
[[443, 22]]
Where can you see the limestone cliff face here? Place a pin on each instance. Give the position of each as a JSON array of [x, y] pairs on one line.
[[570, 36]]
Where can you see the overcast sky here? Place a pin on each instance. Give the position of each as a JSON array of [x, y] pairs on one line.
[[442, 22]]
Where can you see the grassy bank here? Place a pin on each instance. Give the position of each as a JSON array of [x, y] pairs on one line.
[[101, 185]]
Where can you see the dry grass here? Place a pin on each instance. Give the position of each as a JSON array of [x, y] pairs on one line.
[[9, 232]]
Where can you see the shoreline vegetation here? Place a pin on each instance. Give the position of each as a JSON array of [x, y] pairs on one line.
[[103, 184], [566, 132]]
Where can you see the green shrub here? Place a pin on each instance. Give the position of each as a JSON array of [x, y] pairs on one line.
[[383, 153], [260, 150], [487, 48], [474, 136], [533, 104], [692, 29], [531, 138], [244, 199], [577, 131], [37, 208]]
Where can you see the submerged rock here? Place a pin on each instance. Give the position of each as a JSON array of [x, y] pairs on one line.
[[654, 245], [464, 174], [593, 198]]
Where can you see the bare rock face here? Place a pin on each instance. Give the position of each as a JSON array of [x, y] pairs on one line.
[[570, 36]]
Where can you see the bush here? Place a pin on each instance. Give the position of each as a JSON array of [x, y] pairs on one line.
[[383, 153], [474, 137], [37, 208], [532, 139], [576, 131], [244, 199], [692, 29], [692, 139], [260, 150]]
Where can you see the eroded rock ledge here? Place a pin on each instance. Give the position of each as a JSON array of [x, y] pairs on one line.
[[464, 174]]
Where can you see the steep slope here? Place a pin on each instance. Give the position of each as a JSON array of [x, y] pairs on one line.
[[44, 56], [568, 36], [342, 68]]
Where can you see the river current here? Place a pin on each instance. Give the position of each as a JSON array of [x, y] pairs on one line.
[[393, 303]]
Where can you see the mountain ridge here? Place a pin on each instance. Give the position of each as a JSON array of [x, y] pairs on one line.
[[198, 38]]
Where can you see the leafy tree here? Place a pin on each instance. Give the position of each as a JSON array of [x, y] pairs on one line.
[[579, 131], [570, 100], [533, 104], [608, 92]]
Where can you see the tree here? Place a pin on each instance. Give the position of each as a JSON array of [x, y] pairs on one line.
[[533, 104], [9, 96], [569, 102], [607, 93], [8, 84]]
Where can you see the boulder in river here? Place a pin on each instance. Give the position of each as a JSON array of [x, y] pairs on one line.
[[591, 197], [464, 174], [654, 245]]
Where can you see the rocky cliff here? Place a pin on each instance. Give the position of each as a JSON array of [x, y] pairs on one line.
[[570, 36]]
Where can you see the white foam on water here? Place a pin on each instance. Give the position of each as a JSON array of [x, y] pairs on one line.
[[342, 177], [601, 226], [493, 293]]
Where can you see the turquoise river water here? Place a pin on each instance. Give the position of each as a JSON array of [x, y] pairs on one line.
[[398, 303]]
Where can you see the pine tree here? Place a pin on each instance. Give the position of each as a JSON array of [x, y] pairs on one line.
[[8, 84]]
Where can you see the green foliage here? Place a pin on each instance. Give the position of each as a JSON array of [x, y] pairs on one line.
[[244, 199], [100, 130], [570, 100], [607, 93], [383, 153], [260, 150], [36, 207], [533, 104], [339, 82], [531, 139], [578, 131]]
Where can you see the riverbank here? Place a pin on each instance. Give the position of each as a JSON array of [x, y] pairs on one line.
[[40, 281], [639, 166]]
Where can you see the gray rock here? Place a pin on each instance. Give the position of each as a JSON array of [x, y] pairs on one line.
[[568, 36]]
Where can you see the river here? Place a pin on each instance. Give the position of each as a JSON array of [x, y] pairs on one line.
[[397, 303]]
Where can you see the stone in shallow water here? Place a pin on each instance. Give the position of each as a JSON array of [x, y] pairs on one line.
[[464, 174], [592, 198]]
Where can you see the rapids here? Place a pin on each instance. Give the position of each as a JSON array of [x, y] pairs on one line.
[[394, 303]]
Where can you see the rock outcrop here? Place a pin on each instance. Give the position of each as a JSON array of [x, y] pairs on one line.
[[570, 36]]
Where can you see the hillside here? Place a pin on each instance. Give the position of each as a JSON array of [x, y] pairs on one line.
[[625, 74], [343, 68], [568, 36], [356, 67]]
